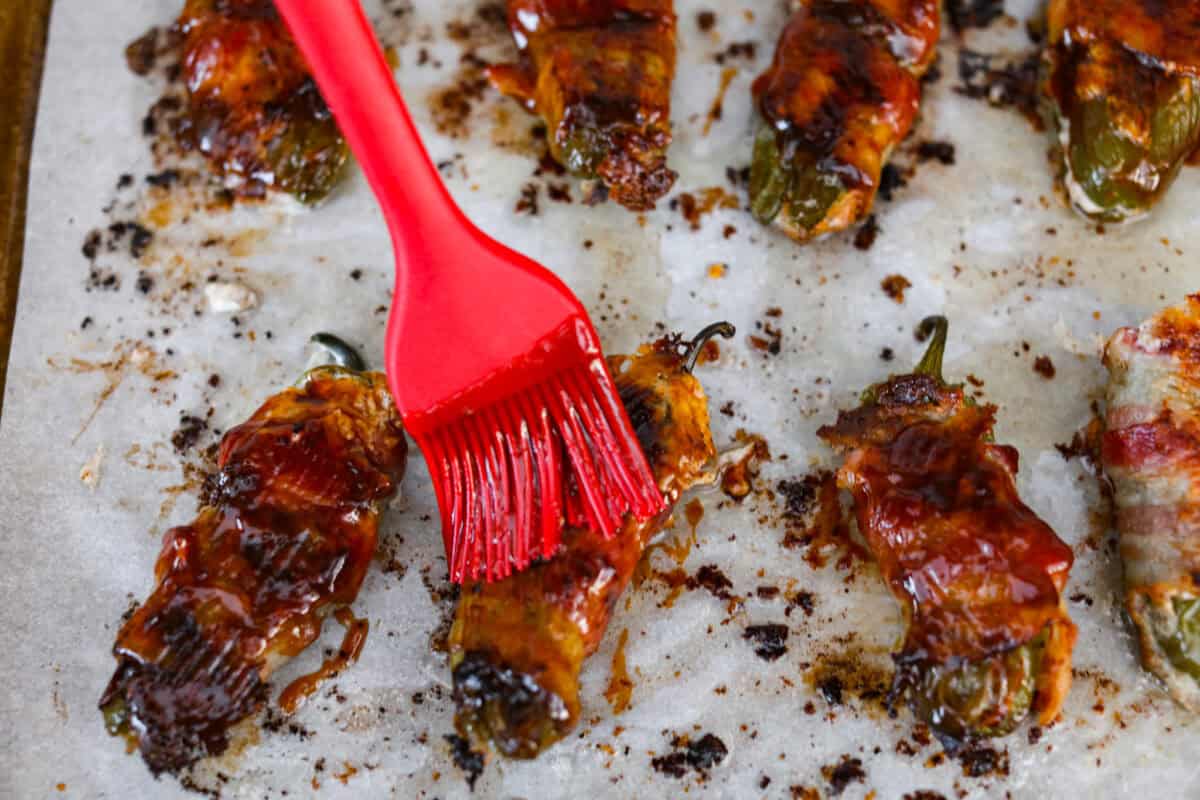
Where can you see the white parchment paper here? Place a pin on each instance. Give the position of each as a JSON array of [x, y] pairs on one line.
[[984, 241]]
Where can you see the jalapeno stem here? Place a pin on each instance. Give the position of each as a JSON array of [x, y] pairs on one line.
[[931, 362], [335, 350], [724, 329]]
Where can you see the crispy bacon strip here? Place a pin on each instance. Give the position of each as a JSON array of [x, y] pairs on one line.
[[254, 111], [599, 73], [841, 93], [979, 575], [517, 645], [284, 536], [1151, 453]]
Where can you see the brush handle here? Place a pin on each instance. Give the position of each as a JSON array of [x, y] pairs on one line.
[[354, 78]]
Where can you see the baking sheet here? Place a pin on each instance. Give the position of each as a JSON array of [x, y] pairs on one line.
[[983, 240]]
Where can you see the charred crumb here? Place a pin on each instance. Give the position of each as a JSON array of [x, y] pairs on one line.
[[468, 760], [830, 688], [163, 179], [705, 20], [979, 760], [191, 429], [275, 722], [769, 640], [744, 50], [1043, 366], [891, 179], [800, 495], [711, 578], [91, 244], [973, 13], [558, 192], [1002, 81], [727, 408], [693, 208], [444, 595], [865, 237], [546, 164], [356, 274], [528, 201], [103, 279], [728, 231], [887, 354], [451, 106], [1082, 597], [189, 783], [1035, 734], [924, 794], [935, 150], [766, 592], [803, 600], [87, 323], [738, 177], [894, 285], [851, 674], [701, 755], [771, 343], [144, 283], [839, 776]]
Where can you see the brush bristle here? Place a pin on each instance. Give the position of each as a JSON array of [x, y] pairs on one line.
[[510, 476]]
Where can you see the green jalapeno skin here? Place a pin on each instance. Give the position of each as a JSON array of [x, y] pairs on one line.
[[1125, 129]]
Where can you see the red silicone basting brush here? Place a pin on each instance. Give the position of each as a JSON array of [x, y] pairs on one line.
[[492, 361]]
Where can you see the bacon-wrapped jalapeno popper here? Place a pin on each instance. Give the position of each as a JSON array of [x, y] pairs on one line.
[[841, 93], [285, 535], [978, 574], [253, 109], [1124, 81], [1151, 453], [599, 73], [517, 645]]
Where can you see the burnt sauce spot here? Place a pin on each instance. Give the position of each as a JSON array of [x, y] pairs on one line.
[[769, 641], [851, 675], [711, 577]]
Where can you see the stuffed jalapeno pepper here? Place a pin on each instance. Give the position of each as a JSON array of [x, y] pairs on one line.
[[599, 74], [1151, 454], [978, 575], [517, 645], [284, 536], [841, 93], [253, 110]]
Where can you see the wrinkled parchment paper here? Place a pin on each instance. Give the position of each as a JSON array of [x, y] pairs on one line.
[[983, 240]]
